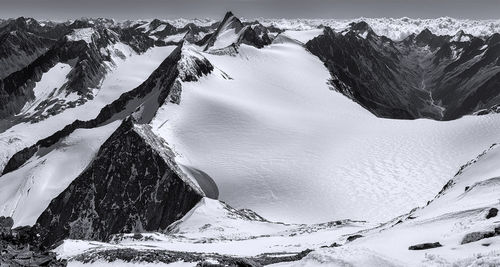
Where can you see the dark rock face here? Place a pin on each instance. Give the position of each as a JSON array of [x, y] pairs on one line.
[[6, 224], [19, 48], [142, 189], [367, 71], [16, 248], [425, 246], [422, 76], [22, 40], [492, 213], [138, 40], [353, 237], [476, 236], [89, 68]]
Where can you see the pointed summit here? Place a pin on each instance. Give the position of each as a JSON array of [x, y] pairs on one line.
[[362, 29], [461, 36], [228, 15], [231, 31], [425, 34], [361, 26], [426, 37]]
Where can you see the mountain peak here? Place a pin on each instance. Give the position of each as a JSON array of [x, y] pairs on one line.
[[361, 26], [425, 34], [426, 37], [228, 15]]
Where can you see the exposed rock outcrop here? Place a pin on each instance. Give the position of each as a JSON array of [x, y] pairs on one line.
[[132, 185], [16, 248], [476, 236], [201, 259], [425, 246]]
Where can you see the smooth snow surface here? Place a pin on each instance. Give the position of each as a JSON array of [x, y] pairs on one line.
[[26, 192], [276, 139], [303, 36]]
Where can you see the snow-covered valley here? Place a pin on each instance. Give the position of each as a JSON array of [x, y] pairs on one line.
[[250, 131], [238, 148]]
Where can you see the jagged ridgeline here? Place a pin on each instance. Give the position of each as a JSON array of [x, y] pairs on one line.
[[149, 164], [421, 76], [127, 179], [90, 217]]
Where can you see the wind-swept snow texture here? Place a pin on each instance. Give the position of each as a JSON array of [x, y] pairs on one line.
[[276, 139], [463, 218]]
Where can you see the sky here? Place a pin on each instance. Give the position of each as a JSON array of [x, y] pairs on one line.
[[341, 9]]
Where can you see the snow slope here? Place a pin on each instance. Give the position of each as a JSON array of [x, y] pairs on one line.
[[462, 208], [277, 140], [27, 191], [51, 81], [213, 227], [303, 36], [128, 73]]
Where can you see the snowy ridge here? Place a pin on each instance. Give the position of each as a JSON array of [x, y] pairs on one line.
[[160, 146], [192, 64], [27, 191], [394, 28]]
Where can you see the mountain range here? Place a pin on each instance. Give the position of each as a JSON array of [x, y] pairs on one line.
[[248, 143]]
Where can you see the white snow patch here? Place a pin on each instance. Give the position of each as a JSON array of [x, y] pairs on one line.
[[225, 38], [50, 82], [176, 37], [159, 29], [84, 34], [26, 192]]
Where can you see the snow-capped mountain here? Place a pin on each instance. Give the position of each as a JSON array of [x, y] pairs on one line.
[[424, 75], [250, 143], [394, 28]]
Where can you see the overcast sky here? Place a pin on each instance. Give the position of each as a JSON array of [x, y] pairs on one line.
[[134, 9]]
